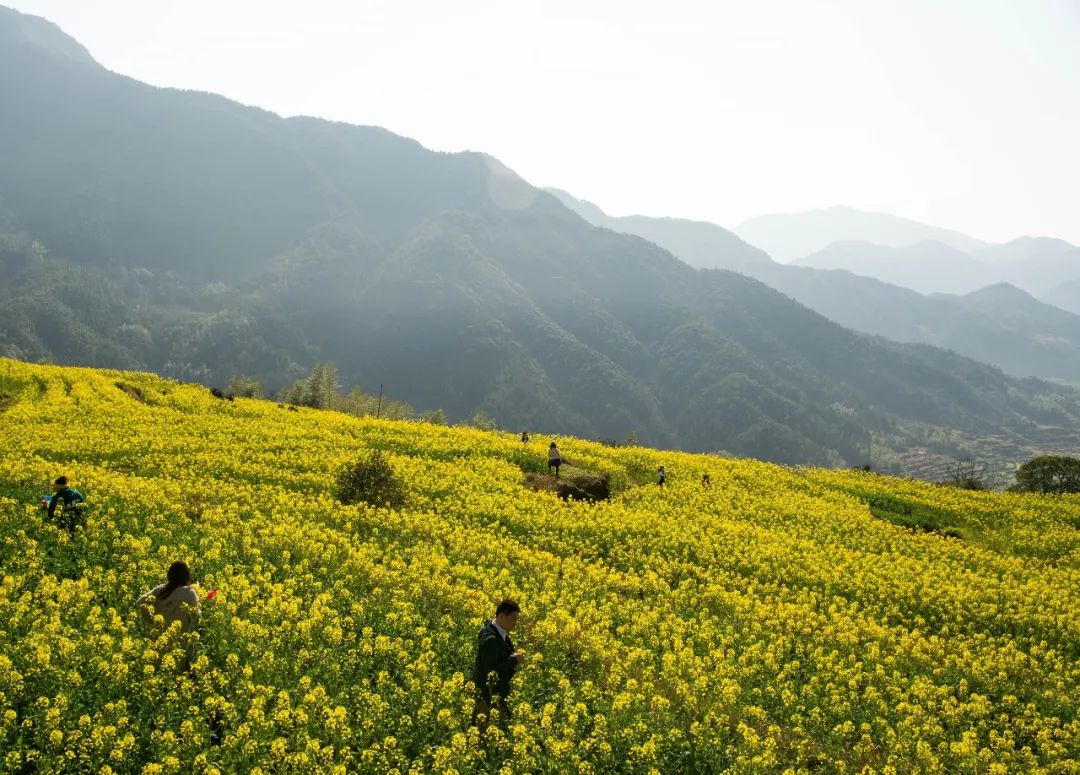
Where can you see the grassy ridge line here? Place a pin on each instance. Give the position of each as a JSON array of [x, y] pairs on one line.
[[773, 578]]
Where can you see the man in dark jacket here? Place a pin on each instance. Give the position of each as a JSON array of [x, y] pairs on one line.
[[495, 654]]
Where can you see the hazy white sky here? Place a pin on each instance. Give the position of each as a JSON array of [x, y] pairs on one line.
[[961, 113]]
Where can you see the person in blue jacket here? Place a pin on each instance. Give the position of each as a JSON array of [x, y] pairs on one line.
[[71, 501]]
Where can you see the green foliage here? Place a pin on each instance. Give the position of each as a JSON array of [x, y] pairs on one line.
[[245, 387], [364, 404], [1049, 474], [434, 416], [371, 480], [912, 515], [483, 421], [967, 475], [9, 388], [319, 390]]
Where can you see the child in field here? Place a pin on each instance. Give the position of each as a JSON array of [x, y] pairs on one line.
[[661, 477], [72, 500], [524, 437]]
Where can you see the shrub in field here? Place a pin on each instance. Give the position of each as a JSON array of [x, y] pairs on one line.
[[371, 480]]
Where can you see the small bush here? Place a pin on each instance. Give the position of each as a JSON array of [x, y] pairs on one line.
[[435, 417], [245, 387], [966, 475], [371, 480], [483, 421], [132, 391]]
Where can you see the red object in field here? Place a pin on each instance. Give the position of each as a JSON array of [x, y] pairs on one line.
[[212, 594]]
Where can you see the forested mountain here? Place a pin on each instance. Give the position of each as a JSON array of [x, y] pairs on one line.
[[700, 244], [789, 236], [184, 233], [1029, 338]]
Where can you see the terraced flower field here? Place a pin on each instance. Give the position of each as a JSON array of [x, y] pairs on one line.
[[781, 620]]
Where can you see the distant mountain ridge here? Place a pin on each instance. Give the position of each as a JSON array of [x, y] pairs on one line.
[[1034, 264], [789, 236], [700, 244], [1031, 338], [187, 234], [927, 267], [1066, 296]]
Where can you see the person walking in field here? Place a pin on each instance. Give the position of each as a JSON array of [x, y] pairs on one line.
[[661, 477], [495, 654], [706, 481], [70, 500], [174, 601], [554, 459], [524, 437]]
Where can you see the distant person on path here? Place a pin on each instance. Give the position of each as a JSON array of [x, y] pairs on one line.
[[524, 437], [495, 654], [72, 500], [661, 477], [554, 459], [175, 600]]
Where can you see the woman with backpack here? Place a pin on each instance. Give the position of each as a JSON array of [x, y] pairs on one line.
[[554, 459]]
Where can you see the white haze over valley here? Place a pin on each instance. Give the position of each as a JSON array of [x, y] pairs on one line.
[[964, 114]]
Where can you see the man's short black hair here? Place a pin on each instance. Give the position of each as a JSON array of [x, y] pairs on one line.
[[507, 606], [61, 481]]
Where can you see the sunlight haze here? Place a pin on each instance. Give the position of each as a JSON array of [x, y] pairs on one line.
[[963, 114]]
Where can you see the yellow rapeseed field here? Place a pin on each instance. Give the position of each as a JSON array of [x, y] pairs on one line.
[[770, 623]]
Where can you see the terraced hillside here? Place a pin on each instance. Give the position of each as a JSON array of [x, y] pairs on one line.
[[782, 619]]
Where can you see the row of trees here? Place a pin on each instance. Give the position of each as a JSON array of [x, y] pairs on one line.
[[1053, 474], [321, 389]]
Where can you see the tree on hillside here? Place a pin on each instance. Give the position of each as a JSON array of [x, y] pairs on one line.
[[1049, 474], [319, 389], [484, 421], [245, 387], [322, 386], [435, 417], [967, 475], [367, 405]]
